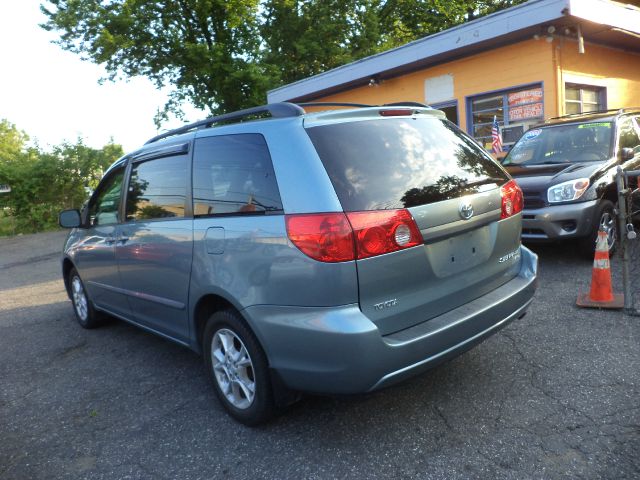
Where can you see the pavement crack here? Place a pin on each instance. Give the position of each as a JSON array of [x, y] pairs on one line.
[[65, 352]]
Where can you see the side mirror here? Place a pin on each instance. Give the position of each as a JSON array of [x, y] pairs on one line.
[[626, 154], [69, 219]]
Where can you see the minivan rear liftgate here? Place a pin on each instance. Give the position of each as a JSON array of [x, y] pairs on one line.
[[436, 221]]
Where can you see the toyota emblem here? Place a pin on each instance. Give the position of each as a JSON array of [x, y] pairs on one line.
[[466, 211]]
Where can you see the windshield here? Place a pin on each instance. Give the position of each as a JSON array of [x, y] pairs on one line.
[[584, 142]]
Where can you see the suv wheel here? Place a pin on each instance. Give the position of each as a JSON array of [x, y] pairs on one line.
[[606, 216], [86, 315], [238, 368]]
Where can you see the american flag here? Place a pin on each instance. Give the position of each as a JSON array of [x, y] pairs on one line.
[[496, 138]]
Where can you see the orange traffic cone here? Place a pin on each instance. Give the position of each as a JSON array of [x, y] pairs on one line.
[[601, 294]]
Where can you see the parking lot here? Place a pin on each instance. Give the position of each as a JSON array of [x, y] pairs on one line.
[[554, 395]]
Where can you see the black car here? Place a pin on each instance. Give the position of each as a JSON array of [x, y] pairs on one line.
[[566, 168]]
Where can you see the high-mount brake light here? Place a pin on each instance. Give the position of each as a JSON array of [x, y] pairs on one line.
[[339, 237], [512, 199], [396, 112]]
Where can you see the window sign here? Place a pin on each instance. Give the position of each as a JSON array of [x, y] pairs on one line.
[[524, 97], [525, 104], [522, 112]]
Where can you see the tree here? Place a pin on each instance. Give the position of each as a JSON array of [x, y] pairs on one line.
[[223, 55], [12, 141], [205, 49]]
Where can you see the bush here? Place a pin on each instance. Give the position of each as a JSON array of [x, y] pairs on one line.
[[43, 183]]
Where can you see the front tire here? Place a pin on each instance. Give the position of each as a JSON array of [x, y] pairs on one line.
[[86, 315], [238, 368]]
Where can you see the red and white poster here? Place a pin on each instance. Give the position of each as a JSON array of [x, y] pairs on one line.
[[523, 97], [523, 112]]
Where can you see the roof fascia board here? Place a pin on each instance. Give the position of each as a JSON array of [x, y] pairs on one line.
[[615, 15], [523, 16]]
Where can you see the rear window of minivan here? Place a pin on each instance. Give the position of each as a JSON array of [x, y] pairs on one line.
[[402, 162]]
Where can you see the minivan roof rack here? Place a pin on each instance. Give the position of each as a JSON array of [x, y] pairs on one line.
[[277, 110], [611, 110]]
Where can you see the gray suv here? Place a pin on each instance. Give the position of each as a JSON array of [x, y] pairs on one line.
[[334, 252]]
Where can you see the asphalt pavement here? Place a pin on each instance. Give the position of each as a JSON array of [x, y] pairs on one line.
[[554, 395]]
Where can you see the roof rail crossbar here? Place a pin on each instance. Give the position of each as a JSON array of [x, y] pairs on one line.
[[277, 110]]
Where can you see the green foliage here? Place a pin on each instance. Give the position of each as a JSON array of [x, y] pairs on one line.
[[223, 55], [43, 183]]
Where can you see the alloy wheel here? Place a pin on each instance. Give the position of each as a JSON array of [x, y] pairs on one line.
[[233, 369], [79, 299]]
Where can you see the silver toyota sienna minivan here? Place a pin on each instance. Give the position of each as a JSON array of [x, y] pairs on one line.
[[333, 252]]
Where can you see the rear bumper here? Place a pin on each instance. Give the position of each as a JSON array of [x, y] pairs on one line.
[[339, 350], [559, 221]]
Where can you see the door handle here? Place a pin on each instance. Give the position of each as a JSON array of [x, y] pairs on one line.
[[122, 239], [110, 240]]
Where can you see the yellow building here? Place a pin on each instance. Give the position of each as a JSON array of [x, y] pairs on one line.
[[541, 59]]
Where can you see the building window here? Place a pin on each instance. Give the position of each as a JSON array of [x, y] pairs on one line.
[[515, 110], [583, 98]]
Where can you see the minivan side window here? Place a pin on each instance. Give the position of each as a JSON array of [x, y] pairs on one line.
[[157, 189], [104, 206], [233, 174]]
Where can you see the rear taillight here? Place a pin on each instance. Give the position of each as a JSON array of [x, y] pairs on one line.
[[383, 231], [336, 237], [326, 237], [512, 199]]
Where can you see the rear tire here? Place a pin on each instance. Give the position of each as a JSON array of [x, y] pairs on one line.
[[238, 368], [86, 315], [605, 218]]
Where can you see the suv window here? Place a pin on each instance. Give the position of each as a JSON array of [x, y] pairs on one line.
[[233, 174], [401, 163], [104, 206], [157, 189], [629, 135]]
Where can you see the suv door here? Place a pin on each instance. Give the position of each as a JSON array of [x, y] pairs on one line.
[[156, 242], [95, 256]]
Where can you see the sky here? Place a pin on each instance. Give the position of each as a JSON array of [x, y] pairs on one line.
[[54, 96]]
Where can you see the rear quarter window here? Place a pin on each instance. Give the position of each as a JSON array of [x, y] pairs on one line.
[[402, 162], [233, 175]]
